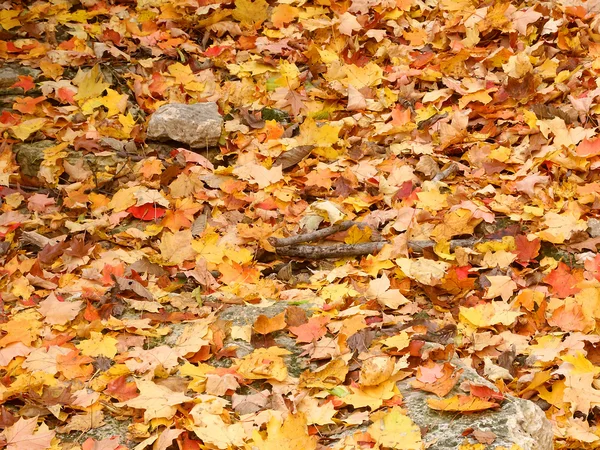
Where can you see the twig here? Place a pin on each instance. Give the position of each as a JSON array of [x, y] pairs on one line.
[[330, 251], [418, 246], [314, 235], [446, 172]]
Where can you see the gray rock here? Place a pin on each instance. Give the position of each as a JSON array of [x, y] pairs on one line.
[[247, 314], [594, 227], [29, 156], [9, 75], [517, 421], [198, 125]]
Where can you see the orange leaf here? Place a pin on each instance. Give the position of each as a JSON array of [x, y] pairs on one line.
[[563, 282], [568, 317], [175, 220], [460, 403], [526, 250], [588, 148], [27, 105], [266, 325], [436, 378], [311, 330], [25, 82], [283, 14]]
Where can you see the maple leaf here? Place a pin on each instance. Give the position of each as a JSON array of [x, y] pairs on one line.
[[348, 24], [157, 401], [251, 13], [563, 282], [436, 378], [395, 430], [292, 434], [266, 325], [327, 376], [500, 286], [460, 403], [59, 312], [22, 435], [312, 330]]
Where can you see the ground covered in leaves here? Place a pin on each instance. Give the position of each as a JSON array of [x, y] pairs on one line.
[[460, 133]]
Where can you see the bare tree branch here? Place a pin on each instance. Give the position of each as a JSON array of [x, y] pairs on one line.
[[330, 251]]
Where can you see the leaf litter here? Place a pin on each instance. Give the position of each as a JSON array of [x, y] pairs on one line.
[[455, 141]]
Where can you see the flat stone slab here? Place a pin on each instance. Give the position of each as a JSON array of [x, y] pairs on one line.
[[517, 421], [198, 125]]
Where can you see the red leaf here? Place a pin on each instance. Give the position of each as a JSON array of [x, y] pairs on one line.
[[485, 393], [215, 50], [526, 250], [120, 389], [25, 82], [91, 313], [563, 282], [147, 212], [311, 330]]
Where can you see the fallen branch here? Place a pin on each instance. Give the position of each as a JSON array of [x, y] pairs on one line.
[[314, 235], [419, 246], [330, 251]]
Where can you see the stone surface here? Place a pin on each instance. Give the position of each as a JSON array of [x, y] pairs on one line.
[[198, 125], [30, 155], [517, 421], [593, 227], [241, 315], [9, 75]]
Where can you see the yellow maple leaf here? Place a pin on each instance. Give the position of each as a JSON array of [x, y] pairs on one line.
[[51, 167], [373, 396], [283, 14], [395, 430], [399, 341], [357, 235], [501, 286], [489, 314], [292, 434], [368, 75], [24, 330], [175, 248], [264, 364], [98, 345], [91, 84], [249, 13], [27, 127], [157, 401], [329, 376], [376, 370], [8, 19], [320, 136]]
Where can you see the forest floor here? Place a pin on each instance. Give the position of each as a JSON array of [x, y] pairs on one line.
[[403, 191]]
